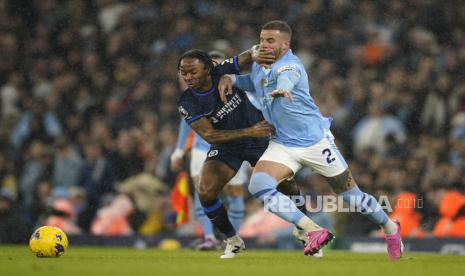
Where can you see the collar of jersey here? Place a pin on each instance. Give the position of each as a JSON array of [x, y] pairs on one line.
[[200, 93]]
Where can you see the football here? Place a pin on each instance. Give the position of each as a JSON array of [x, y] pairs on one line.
[[48, 241]]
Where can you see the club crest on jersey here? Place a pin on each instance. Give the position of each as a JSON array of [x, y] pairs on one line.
[[183, 112], [264, 82], [212, 153]]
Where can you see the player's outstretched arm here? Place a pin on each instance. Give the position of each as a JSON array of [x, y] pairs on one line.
[[214, 136], [288, 77]]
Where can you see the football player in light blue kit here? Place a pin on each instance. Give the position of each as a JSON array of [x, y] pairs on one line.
[[302, 138]]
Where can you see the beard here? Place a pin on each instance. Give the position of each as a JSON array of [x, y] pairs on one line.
[[277, 52]]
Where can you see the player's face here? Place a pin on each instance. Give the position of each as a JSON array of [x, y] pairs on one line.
[[194, 73], [275, 41]]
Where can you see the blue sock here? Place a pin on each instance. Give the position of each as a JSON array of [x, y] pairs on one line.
[[218, 216], [366, 204], [263, 187], [236, 210], [207, 226]]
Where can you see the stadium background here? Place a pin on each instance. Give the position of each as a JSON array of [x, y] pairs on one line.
[[88, 95]]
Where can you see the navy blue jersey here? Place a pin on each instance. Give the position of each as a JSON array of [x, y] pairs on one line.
[[237, 113]]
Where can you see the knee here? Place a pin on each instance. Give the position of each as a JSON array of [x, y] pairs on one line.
[[206, 191], [261, 181]]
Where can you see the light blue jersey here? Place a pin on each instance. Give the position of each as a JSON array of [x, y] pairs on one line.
[[199, 143], [299, 122]]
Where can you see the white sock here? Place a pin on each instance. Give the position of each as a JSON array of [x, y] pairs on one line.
[[390, 227], [308, 225]]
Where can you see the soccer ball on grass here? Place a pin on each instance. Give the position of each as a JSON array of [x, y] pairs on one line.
[[48, 241]]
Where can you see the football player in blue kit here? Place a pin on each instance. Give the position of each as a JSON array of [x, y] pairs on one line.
[[233, 191]]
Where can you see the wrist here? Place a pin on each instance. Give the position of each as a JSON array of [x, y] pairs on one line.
[[232, 77], [247, 132]]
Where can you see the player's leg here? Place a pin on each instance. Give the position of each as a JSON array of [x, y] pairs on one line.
[[345, 186], [215, 174], [290, 188], [277, 164], [209, 242], [217, 170], [234, 192], [235, 198], [326, 159]]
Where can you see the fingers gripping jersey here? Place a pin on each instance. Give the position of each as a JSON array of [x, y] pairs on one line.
[[237, 113]]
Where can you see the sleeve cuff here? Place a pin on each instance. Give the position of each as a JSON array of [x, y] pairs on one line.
[[236, 64]]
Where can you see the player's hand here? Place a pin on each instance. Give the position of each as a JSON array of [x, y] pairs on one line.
[[263, 57], [262, 129], [281, 93], [225, 87], [176, 160]]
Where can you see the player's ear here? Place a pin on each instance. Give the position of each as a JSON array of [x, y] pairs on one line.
[[287, 44], [208, 69]]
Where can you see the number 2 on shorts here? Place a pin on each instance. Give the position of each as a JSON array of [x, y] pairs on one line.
[[328, 153]]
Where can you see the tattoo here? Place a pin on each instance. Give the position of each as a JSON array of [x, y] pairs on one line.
[[342, 182]]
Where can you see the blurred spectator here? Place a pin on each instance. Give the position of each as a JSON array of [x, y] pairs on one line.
[[38, 124], [95, 174], [63, 216], [36, 167], [452, 220], [8, 180], [371, 131], [124, 160], [12, 227], [113, 220], [67, 165], [148, 194], [404, 212]]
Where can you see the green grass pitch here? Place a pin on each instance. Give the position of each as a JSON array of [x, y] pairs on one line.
[[89, 261]]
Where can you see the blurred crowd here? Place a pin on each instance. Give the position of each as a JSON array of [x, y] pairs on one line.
[[88, 115]]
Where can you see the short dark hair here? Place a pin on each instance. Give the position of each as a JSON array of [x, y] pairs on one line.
[[278, 25], [202, 56]]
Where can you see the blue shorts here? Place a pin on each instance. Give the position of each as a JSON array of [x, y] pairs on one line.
[[234, 157]]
